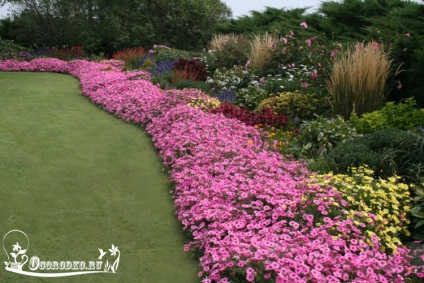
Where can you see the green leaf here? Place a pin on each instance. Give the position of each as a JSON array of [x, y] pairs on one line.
[[419, 214], [307, 146], [419, 224], [320, 136]]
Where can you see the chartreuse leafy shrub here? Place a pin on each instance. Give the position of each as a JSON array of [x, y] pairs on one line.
[[318, 137], [292, 104], [403, 115], [358, 80], [386, 152], [379, 206]]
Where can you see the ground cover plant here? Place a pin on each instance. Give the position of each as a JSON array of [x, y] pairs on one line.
[[76, 179], [251, 212]]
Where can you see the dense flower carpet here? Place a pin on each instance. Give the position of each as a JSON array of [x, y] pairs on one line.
[[252, 214]]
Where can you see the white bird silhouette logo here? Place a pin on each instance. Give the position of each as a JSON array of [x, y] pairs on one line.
[[102, 253]]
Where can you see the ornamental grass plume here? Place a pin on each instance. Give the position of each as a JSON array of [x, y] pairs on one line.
[[357, 83], [218, 41], [261, 51]]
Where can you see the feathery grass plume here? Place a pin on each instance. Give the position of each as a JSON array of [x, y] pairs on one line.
[[357, 83], [218, 41], [261, 49]]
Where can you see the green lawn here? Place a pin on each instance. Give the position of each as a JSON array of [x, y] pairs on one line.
[[74, 179]]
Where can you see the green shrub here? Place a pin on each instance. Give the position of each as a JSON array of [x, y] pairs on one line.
[[291, 104], [318, 137], [228, 51], [250, 97], [9, 50], [404, 116], [164, 81], [235, 78], [163, 54], [387, 152], [192, 84]]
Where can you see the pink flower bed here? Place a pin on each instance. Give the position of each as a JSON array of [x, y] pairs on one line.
[[247, 209]]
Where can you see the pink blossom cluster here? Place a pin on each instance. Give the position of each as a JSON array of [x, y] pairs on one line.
[[250, 213], [36, 65]]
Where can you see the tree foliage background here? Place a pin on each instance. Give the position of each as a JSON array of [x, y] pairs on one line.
[[107, 26]]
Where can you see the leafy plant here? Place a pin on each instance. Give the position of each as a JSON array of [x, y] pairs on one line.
[[192, 69], [131, 56], [187, 83], [234, 78], [418, 207], [320, 136], [228, 50], [387, 152], [266, 117], [10, 50], [250, 97], [403, 115], [291, 104], [173, 54]]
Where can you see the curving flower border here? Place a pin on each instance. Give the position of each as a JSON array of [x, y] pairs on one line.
[[247, 209]]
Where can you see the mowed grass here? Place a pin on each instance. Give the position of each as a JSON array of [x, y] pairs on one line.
[[74, 179]]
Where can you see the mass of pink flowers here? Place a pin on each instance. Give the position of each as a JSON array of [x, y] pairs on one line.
[[246, 208]]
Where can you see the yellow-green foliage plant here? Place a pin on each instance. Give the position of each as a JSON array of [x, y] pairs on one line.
[[381, 205], [292, 104], [357, 83], [261, 51]]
